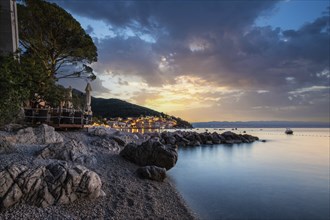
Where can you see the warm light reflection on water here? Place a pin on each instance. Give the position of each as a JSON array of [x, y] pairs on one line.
[[141, 130], [286, 177]]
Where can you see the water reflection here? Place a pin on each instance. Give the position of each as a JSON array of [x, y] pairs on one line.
[[141, 130], [285, 178]]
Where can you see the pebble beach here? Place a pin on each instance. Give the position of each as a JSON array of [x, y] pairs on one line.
[[126, 195]]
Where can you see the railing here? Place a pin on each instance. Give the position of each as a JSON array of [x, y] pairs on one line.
[[57, 117]]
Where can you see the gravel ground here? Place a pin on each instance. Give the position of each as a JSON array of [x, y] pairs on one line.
[[127, 196]]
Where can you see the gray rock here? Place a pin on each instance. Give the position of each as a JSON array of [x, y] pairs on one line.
[[151, 153], [6, 146], [101, 131], [47, 134], [43, 134], [74, 151], [48, 185], [12, 197], [11, 127], [26, 136], [189, 138], [119, 140], [108, 144], [152, 173], [168, 138], [233, 138], [215, 138]]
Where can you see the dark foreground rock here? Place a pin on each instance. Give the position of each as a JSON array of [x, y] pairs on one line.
[[48, 185], [152, 173], [151, 152]]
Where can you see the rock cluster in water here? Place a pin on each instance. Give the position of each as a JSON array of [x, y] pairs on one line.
[[160, 149], [190, 138]]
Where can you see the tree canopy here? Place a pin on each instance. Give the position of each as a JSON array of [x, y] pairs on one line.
[[13, 91], [51, 35]]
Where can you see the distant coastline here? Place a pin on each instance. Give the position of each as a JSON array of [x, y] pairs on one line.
[[260, 124]]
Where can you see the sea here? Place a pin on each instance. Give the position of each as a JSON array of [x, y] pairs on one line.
[[285, 177]]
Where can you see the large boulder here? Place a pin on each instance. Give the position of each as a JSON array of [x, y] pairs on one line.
[[43, 134], [151, 152], [26, 136], [46, 135], [48, 185], [152, 173], [108, 144], [74, 151]]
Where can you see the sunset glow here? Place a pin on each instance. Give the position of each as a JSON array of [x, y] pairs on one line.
[[204, 61]]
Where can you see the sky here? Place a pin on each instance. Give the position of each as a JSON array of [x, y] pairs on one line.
[[211, 60]]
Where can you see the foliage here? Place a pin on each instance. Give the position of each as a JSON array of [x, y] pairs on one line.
[[21, 81], [50, 34], [78, 101], [12, 87]]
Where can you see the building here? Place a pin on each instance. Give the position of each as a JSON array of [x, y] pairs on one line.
[[8, 27]]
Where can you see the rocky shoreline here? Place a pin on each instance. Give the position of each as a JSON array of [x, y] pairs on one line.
[[96, 174]]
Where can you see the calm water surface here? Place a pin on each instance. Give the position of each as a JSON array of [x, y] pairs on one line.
[[285, 178]]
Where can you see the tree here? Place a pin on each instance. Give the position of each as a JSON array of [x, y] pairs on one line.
[[13, 91], [50, 34]]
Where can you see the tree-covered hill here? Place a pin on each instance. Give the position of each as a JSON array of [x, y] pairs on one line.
[[112, 108]]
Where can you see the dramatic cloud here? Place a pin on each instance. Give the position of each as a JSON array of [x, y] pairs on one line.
[[174, 49]]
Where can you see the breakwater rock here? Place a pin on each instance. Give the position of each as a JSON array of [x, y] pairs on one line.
[[191, 138], [160, 149]]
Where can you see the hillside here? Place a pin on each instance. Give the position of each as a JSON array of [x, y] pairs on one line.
[[112, 108]]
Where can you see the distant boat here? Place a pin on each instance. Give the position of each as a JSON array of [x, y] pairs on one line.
[[288, 131]]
